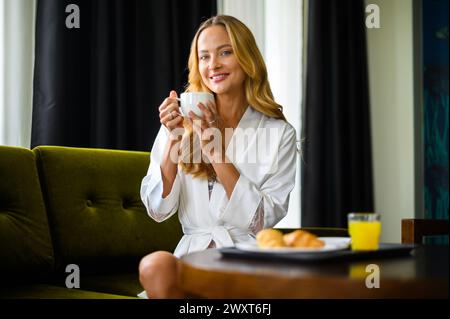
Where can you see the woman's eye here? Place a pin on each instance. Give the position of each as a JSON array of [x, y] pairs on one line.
[[226, 52], [203, 57]]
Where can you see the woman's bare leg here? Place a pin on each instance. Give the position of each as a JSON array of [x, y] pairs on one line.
[[159, 275]]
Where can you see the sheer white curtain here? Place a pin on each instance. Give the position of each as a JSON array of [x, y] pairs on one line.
[[278, 29], [17, 21]]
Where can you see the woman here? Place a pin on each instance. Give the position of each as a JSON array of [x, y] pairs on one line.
[[234, 191]]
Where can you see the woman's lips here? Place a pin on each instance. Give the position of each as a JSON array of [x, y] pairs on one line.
[[218, 77]]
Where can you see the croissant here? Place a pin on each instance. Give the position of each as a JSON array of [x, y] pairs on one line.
[[270, 238], [301, 238]]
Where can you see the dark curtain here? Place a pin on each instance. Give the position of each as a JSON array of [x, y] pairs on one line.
[[337, 168], [100, 85]]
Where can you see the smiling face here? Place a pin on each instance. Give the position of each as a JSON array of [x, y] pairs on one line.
[[218, 64]]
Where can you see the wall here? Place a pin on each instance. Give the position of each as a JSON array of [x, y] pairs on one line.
[[390, 57]]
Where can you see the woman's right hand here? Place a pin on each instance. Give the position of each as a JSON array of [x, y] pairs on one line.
[[169, 114]]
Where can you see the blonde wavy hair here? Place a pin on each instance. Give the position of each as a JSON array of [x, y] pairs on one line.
[[257, 88]]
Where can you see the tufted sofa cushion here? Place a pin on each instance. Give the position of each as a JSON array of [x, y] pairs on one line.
[[95, 213], [25, 244]]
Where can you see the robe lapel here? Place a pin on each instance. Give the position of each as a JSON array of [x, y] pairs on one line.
[[219, 200]]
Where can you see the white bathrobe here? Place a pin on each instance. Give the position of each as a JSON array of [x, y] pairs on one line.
[[266, 179]]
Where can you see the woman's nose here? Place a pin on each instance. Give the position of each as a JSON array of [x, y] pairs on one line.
[[214, 63]]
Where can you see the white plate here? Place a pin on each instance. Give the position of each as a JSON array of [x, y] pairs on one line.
[[331, 244]]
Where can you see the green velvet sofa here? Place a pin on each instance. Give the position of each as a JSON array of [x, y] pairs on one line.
[[61, 206]]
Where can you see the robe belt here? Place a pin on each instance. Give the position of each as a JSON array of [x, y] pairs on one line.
[[220, 234]]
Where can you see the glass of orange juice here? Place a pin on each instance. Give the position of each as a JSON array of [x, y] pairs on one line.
[[364, 230]]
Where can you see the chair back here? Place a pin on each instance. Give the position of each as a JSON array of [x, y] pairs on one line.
[[413, 230]]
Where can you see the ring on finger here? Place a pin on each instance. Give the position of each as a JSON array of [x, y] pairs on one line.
[[211, 122]]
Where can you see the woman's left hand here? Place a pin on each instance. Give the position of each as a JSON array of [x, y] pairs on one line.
[[209, 128]]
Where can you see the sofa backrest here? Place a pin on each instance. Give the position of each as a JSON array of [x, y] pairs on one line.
[[25, 245], [95, 213]]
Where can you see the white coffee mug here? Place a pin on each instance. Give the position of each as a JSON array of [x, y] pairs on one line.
[[189, 102]]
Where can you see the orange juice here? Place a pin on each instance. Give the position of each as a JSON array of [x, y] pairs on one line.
[[365, 235], [358, 271]]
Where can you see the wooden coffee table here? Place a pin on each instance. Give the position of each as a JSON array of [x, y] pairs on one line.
[[424, 274]]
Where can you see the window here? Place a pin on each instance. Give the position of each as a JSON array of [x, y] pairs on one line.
[[278, 28], [16, 71]]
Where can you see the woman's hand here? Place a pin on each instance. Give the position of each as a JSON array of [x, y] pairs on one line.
[[171, 118], [169, 113], [210, 130]]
